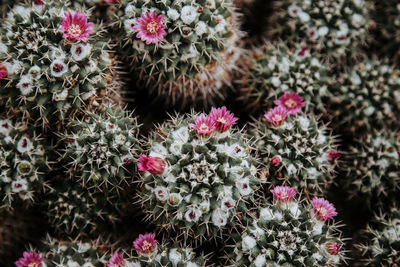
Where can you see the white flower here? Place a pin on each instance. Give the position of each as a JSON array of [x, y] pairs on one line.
[[120, 139], [227, 203], [5, 127], [369, 111], [176, 148], [58, 68], [243, 186], [304, 17], [357, 20], [312, 173], [111, 127], [321, 139], [182, 134], [172, 14], [14, 67], [294, 11], [24, 145], [80, 51], [248, 243], [174, 256], [266, 214], [313, 34], [200, 28], [221, 25], [193, 215], [257, 232], [237, 171], [158, 150], [322, 31], [19, 185], [189, 14], [25, 85], [205, 206], [130, 10], [302, 53], [260, 261], [35, 72], [83, 247], [382, 163], [161, 193], [291, 169], [237, 151], [61, 96], [57, 53], [128, 25], [3, 48], [275, 81], [341, 37], [191, 264], [317, 256], [294, 209], [304, 122], [317, 227], [91, 66], [220, 217]]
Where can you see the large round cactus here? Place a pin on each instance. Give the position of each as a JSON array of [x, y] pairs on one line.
[[198, 175]]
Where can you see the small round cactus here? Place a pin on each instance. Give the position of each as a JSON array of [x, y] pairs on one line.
[[288, 232], [382, 241], [101, 149], [23, 163], [198, 175], [336, 29], [296, 149], [72, 210], [186, 50], [275, 69], [373, 168], [52, 68], [366, 96]]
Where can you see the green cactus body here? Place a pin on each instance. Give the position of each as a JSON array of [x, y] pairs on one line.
[[383, 241], [366, 97], [205, 183], [336, 29], [198, 52], [300, 147], [101, 149], [373, 168], [23, 163], [285, 234], [275, 69], [49, 77]]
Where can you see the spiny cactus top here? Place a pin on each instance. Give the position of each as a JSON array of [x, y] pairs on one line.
[[367, 96], [101, 149], [296, 149], [186, 49], [275, 69], [382, 241], [198, 174], [288, 233], [23, 163], [54, 59], [373, 167], [333, 28]]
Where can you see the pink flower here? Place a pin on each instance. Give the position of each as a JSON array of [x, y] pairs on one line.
[[302, 53], [332, 155], [283, 193], [333, 248], [291, 101], [398, 153], [145, 244], [276, 161], [204, 125], [150, 28], [30, 259], [323, 209], [75, 27], [154, 165], [276, 115], [117, 260], [38, 2], [223, 118], [112, 1], [3, 71]]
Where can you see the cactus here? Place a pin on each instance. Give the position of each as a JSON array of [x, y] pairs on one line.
[[24, 164], [336, 29], [51, 71], [297, 150], [100, 10], [101, 149], [72, 210], [288, 232], [373, 168], [382, 241], [276, 68], [186, 50], [198, 176], [366, 97]]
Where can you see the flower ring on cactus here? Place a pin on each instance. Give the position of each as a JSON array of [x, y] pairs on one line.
[[154, 165], [3, 71], [30, 259], [333, 155], [150, 28], [333, 248], [204, 125], [117, 260], [276, 161], [145, 244], [223, 118], [283, 193], [323, 209], [291, 101], [75, 27], [277, 115]]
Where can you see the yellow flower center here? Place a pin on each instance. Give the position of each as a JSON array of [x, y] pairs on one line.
[[152, 27], [74, 30]]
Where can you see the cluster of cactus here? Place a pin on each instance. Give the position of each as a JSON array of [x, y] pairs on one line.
[[335, 29], [373, 168], [366, 96], [288, 233], [296, 149], [23, 164], [276, 68], [186, 50], [50, 72], [198, 175]]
